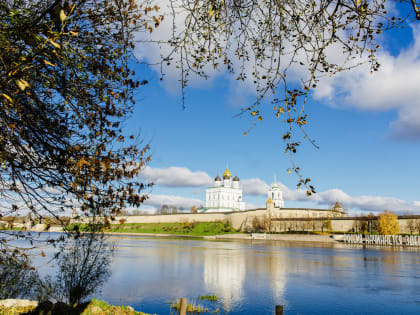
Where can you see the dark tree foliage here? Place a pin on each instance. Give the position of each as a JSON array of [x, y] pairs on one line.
[[16, 281], [66, 87]]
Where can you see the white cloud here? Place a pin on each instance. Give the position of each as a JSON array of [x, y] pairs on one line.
[[176, 177], [254, 186], [183, 177], [394, 87], [177, 201], [327, 198]]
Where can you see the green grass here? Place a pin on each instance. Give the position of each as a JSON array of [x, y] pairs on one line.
[[193, 308], [211, 298], [94, 307], [185, 228]]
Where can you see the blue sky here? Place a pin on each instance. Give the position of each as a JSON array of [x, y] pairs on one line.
[[367, 127]]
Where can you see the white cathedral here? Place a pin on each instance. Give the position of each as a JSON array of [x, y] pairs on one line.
[[226, 195]]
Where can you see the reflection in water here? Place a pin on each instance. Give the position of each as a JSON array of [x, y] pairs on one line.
[[224, 274], [277, 267], [253, 277]]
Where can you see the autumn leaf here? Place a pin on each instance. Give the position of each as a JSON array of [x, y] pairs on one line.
[[22, 84], [49, 63], [54, 43], [7, 97], [63, 16]]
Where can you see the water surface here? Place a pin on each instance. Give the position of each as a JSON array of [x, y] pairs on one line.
[[252, 277]]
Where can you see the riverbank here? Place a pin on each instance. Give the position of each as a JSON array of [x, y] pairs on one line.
[[93, 307], [324, 238], [321, 238]]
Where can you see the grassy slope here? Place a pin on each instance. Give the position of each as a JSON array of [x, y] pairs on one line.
[[185, 228]]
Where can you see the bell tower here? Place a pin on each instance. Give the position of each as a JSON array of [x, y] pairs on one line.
[[276, 195]]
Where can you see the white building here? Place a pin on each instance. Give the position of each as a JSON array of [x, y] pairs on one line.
[[224, 196], [276, 195]]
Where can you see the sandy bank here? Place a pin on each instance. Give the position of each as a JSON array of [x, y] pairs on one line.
[[240, 236], [258, 236]]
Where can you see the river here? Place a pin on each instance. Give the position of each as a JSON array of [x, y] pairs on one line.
[[252, 277]]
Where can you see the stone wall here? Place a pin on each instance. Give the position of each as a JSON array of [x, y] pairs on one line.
[[275, 212], [239, 219], [249, 220], [349, 224]]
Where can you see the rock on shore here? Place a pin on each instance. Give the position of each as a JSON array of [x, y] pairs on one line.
[[18, 303]]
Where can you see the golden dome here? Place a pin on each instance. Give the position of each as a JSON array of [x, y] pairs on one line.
[[227, 174], [269, 200]]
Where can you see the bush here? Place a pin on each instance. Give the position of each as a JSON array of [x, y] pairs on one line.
[[122, 221], [17, 279], [388, 223], [83, 266]]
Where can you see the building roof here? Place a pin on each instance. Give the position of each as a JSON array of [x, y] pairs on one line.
[[217, 178], [227, 174], [236, 179]]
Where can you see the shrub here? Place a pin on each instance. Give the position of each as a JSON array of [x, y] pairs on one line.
[[122, 221], [388, 223]]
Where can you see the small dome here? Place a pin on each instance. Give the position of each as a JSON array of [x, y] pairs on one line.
[[227, 174], [269, 200], [236, 179], [217, 179], [274, 185], [337, 206]]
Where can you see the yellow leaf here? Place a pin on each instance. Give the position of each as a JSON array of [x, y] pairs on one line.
[[54, 43], [49, 63], [22, 84], [63, 16], [253, 113], [42, 254], [259, 118], [7, 97], [289, 171], [211, 12]]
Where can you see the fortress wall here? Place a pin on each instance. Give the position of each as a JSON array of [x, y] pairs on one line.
[[172, 218], [342, 225], [337, 224], [237, 219], [242, 220], [245, 220]]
